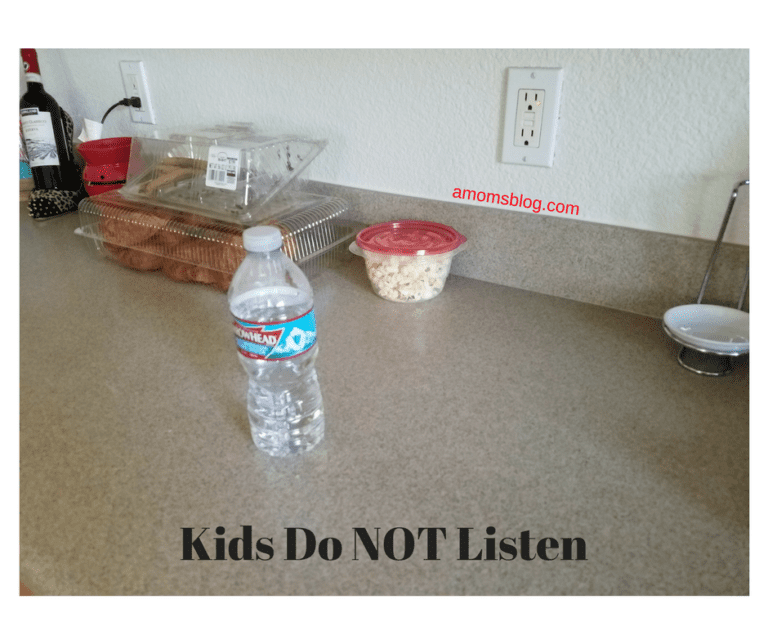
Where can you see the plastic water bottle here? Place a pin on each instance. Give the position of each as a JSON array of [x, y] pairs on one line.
[[271, 301]]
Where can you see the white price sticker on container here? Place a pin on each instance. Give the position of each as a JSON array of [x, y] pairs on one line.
[[223, 167]]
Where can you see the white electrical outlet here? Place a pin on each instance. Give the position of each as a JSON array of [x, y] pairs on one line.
[[532, 112], [135, 83], [530, 107]]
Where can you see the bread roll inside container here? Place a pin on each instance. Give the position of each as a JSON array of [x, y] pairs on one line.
[[188, 198]]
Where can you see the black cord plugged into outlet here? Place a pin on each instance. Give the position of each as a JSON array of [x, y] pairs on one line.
[[135, 101]]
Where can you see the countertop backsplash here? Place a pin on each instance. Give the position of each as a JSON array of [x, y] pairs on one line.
[[621, 268]]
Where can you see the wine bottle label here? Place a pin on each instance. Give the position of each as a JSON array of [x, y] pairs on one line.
[[39, 137], [223, 167], [276, 341]]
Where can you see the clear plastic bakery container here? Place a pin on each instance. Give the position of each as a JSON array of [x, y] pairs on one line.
[[408, 260], [228, 172], [189, 247]]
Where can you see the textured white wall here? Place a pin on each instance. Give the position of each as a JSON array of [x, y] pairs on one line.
[[648, 139]]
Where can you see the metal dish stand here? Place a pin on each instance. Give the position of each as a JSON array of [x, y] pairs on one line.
[[694, 358]]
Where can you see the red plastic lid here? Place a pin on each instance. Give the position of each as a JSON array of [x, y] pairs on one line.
[[410, 237]]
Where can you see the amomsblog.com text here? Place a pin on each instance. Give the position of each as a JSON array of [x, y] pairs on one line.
[[516, 201], [375, 544]]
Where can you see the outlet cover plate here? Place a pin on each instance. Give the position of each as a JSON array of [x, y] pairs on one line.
[[550, 80], [135, 83]]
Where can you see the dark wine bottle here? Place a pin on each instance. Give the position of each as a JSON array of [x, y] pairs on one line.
[[42, 124]]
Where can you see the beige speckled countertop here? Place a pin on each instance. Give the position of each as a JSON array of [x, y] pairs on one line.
[[487, 406]]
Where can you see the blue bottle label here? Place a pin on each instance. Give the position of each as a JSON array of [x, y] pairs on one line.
[[276, 341]]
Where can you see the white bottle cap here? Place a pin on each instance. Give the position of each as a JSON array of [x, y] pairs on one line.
[[262, 239]]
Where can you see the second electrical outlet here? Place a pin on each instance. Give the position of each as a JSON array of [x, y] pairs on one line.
[[135, 83]]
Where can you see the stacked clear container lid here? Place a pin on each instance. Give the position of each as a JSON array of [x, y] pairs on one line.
[[188, 197]]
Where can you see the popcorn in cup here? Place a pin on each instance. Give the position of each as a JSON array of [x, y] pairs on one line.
[[408, 260]]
